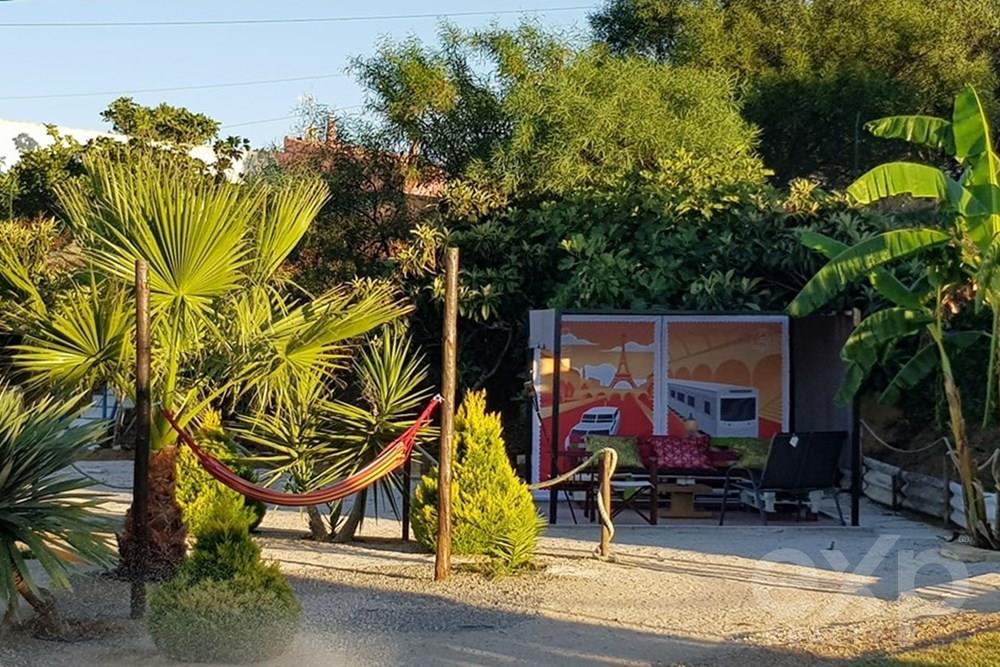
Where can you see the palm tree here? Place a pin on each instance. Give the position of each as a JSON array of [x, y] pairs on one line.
[[43, 512], [227, 330], [961, 259]]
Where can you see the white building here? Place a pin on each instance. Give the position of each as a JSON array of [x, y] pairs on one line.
[[17, 137]]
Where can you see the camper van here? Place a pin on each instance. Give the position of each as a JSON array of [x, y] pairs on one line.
[[721, 410]]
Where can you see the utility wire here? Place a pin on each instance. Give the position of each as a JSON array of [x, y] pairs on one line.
[[205, 86], [274, 120], [314, 19]]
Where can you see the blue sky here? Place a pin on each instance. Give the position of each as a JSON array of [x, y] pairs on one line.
[[50, 60]]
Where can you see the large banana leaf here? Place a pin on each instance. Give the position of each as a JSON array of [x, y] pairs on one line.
[[864, 346], [886, 284], [896, 179], [860, 260], [974, 149], [922, 364], [929, 131]]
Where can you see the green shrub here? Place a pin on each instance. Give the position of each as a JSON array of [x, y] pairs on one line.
[[198, 492], [225, 604], [492, 509]]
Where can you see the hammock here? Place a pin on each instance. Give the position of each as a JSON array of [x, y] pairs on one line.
[[389, 459]]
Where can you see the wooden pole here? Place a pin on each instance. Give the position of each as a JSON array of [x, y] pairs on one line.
[[449, 362], [143, 415], [605, 499]]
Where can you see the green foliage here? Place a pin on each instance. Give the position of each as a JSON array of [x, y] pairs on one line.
[[225, 604], [313, 440], [43, 513], [598, 119], [960, 257], [39, 266], [163, 133], [226, 326], [543, 118], [813, 72], [493, 512], [197, 493], [160, 123]]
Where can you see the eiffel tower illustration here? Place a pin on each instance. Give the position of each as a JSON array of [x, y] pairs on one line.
[[623, 374]]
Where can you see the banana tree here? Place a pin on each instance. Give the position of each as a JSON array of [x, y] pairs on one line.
[[226, 330], [960, 254]]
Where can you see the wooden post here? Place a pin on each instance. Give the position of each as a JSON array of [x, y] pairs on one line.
[[449, 363], [605, 499], [143, 422]]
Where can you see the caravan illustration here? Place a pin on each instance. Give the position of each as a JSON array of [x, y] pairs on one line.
[[721, 410]]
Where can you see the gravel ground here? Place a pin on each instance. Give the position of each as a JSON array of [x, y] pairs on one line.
[[672, 595]]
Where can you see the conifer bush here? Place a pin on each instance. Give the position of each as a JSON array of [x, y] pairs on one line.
[[225, 604], [492, 509], [197, 492]]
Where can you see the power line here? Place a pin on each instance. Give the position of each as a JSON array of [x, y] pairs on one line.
[[314, 19], [274, 120], [229, 84]]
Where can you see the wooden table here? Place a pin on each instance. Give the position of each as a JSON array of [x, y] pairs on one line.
[[682, 500]]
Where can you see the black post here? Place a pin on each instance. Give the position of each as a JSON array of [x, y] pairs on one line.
[[856, 472], [406, 500], [554, 436], [143, 421]]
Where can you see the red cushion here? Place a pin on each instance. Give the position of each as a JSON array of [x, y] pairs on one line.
[[687, 453]]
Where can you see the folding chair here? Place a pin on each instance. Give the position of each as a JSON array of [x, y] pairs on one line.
[[799, 467]]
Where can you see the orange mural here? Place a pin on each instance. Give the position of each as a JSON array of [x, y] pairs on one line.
[[639, 375]]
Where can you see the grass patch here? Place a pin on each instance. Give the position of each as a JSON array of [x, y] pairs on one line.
[[979, 650]]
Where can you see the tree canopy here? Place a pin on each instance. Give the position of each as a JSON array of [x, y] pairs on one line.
[[814, 72], [523, 112]]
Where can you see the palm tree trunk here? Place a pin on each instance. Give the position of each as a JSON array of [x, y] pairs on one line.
[[317, 527], [347, 532], [167, 535], [44, 605]]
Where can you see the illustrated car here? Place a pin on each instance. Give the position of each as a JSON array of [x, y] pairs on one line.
[[594, 421]]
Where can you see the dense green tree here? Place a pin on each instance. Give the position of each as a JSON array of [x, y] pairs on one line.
[[814, 72], [514, 113], [28, 188]]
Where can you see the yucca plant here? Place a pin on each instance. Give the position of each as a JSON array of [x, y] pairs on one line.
[[312, 440], [44, 513], [961, 258], [227, 330]]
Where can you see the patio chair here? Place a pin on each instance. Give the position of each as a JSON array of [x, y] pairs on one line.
[[798, 466]]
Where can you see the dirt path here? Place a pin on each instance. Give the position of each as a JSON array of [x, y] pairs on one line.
[[795, 595]]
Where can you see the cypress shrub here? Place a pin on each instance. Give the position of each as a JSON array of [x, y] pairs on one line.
[[197, 493], [225, 604], [492, 509]]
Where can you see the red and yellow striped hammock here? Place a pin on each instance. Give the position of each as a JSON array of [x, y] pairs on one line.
[[394, 455]]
